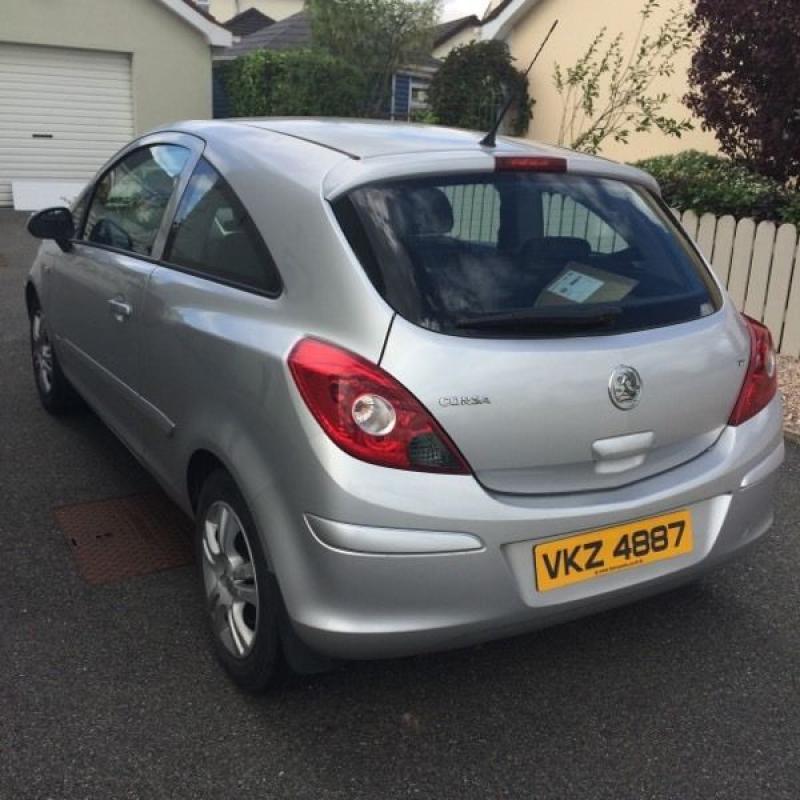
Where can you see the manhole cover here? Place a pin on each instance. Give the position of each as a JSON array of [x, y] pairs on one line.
[[125, 537]]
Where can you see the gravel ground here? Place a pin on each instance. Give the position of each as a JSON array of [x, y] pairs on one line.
[[789, 377]]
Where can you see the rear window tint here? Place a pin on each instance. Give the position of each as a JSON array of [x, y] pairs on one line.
[[532, 250]]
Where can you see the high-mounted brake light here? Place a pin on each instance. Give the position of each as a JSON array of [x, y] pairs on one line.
[[761, 380], [369, 414], [530, 164]]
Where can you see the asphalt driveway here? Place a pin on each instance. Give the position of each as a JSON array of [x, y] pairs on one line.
[[111, 692]]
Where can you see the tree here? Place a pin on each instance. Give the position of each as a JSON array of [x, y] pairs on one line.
[[375, 36], [473, 83], [610, 93], [744, 79]]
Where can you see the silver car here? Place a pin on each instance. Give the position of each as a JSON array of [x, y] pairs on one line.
[[417, 392]]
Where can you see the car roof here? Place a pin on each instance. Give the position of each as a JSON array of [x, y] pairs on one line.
[[376, 138], [361, 139], [382, 142]]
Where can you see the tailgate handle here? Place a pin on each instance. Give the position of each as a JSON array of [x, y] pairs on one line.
[[621, 453], [623, 446]]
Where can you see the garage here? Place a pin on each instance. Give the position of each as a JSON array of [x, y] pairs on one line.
[[78, 80], [63, 111]]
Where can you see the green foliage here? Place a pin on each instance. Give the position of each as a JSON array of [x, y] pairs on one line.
[[608, 93], [790, 207], [293, 83], [376, 36], [424, 116], [714, 184], [472, 84]]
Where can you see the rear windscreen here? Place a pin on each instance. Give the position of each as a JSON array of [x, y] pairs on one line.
[[526, 253]]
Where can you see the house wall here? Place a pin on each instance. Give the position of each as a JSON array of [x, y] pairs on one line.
[[462, 37], [171, 61], [580, 21], [223, 10]]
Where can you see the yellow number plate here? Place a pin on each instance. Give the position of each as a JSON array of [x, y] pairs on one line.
[[591, 555]]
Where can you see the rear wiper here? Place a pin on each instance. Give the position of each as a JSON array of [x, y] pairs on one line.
[[543, 319]]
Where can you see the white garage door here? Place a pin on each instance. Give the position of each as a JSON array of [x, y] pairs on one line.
[[63, 112]]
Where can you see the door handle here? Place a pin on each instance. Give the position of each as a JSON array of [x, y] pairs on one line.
[[120, 309]]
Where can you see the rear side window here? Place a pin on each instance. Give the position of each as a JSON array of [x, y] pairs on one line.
[[130, 200], [214, 236], [526, 253]]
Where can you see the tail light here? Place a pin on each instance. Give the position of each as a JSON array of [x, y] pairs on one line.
[[530, 164], [761, 381], [367, 413]]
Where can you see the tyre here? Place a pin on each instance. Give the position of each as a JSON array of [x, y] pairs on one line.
[[55, 392], [243, 602]]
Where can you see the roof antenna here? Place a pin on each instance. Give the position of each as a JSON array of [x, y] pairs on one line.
[[489, 139]]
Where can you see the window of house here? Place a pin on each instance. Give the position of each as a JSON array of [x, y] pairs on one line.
[[419, 93], [213, 235], [129, 201]]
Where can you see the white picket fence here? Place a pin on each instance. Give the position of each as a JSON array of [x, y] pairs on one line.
[[760, 265]]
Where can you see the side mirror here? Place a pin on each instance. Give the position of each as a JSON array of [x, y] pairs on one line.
[[53, 223]]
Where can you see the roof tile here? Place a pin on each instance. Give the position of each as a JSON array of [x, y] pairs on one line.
[[248, 22]]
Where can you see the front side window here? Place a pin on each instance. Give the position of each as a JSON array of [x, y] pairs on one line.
[[78, 208], [214, 236], [529, 253], [129, 201]]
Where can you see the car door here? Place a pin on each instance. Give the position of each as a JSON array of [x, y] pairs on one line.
[[210, 318], [98, 287]]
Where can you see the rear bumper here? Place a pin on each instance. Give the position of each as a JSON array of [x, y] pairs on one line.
[[427, 562]]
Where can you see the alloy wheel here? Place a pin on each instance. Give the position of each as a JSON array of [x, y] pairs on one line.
[[229, 578], [42, 352]]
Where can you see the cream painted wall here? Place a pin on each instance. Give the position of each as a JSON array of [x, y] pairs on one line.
[[463, 37], [580, 20], [171, 61], [223, 10]]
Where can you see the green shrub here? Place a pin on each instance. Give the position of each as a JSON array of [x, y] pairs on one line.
[[473, 82], [294, 83], [790, 209], [707, 183]]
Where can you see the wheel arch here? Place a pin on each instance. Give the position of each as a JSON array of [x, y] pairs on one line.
[[300, 657], [201, 465], [238, 455]]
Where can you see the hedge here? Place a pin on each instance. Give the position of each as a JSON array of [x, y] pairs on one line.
[[293, 83], [713, 184]]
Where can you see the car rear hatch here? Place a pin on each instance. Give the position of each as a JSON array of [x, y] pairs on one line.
[[537, 417], [559, 327]]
